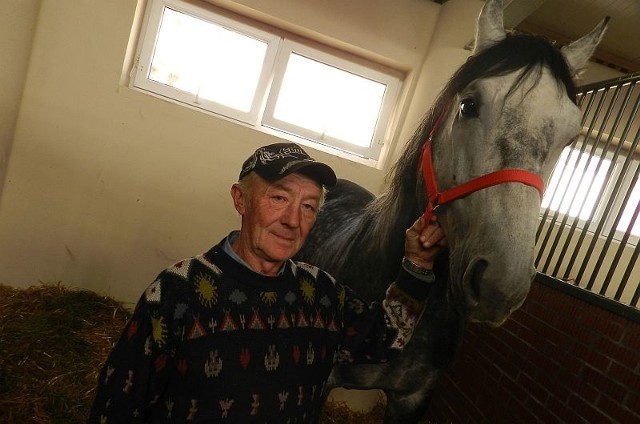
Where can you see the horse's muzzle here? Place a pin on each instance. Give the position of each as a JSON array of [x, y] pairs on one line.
[[492, 294]]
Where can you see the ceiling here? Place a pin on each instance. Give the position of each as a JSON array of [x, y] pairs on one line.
[[566, 20]]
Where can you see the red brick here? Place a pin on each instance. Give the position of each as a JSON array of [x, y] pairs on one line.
[[568, 325], [586, 335], [569, 362], [631, 337], [510, 342], [534, 389], [593, 317], [552, 299], [509, 369], [562, 411], [535, 309], [530, 337], [557, 387], [542, 361], [541, 411], [531, 322], [608, 347], [626, 377], [586, 411], [515, 390], [493, 353], [528, 371], [597, 360], [441, 410], [580, 352], [561, 340], [514, 319], [572, 311], [617, 411], [473, 414], [577, 385], [613, 408], [628, 358], [567, 344], [517, 413], [513, 327], [550, 349], [492, 402], [608, 324], [604, 383], [633, 401]]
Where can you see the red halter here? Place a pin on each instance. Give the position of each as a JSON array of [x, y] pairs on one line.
[[437, 198]]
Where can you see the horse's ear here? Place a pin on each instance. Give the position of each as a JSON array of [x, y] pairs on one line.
[[490, 26], [578, 53]]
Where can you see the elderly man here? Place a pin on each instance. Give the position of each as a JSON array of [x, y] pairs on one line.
[[242, 333]]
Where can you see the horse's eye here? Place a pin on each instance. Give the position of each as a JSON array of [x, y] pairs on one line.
[[468, 108]]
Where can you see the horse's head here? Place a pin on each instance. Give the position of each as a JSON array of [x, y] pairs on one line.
[[510, 106]]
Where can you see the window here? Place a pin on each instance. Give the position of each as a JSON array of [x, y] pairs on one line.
[[265, 79], [631, 212], [576, 184], [582, 184]]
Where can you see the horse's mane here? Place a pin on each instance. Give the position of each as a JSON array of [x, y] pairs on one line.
[[527, 53]]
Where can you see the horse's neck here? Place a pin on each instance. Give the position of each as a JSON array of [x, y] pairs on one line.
[[378, 242], [391, 214]]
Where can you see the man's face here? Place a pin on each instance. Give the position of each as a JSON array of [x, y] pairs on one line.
[[276, 217]]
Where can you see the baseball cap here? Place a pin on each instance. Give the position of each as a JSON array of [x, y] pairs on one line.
[[278, 160]]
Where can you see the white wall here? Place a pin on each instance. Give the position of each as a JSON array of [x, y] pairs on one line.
[[107, 186], [17, 24]]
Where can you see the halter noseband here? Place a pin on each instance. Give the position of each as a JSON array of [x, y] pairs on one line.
[[436, 198]]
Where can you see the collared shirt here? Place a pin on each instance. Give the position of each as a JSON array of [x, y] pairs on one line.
[[233, 236]]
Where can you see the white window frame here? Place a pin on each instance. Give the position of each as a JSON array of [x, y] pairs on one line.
[[279, 46], [390, 97], [142, 68]]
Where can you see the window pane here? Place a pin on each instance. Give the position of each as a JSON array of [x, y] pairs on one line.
[[329, 101], [239, 70], [629, 210], [574, 183], [207, 60]]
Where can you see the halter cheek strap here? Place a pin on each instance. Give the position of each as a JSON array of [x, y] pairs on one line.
[[436, 198]]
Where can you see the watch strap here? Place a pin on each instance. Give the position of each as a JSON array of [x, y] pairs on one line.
[[423, 274]]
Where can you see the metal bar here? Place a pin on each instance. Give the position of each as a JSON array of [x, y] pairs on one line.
[[568, 232], [625, 278], [625, 237], [600, 161], [543, 220], [625, 168], [613, 230], [608, 83], [634, 257], [608, 177], [564, 191]]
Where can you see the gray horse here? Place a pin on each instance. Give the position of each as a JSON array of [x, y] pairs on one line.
[[510, 106]]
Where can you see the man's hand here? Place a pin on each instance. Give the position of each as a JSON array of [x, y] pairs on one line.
[[423, 242]]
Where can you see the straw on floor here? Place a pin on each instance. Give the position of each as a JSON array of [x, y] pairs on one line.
[[53, 342]]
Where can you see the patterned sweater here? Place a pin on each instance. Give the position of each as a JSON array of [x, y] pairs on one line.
[[212, 341]]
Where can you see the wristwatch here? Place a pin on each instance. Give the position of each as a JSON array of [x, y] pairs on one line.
[[420, 273]]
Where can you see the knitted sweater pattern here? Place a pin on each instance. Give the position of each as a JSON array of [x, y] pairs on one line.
[[212, 341]]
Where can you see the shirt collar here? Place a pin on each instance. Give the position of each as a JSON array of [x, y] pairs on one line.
[[231, 238]]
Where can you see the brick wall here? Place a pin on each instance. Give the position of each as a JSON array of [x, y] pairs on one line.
[[559, 358]]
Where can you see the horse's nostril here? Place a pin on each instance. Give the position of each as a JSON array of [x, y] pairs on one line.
[[474, 281]]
